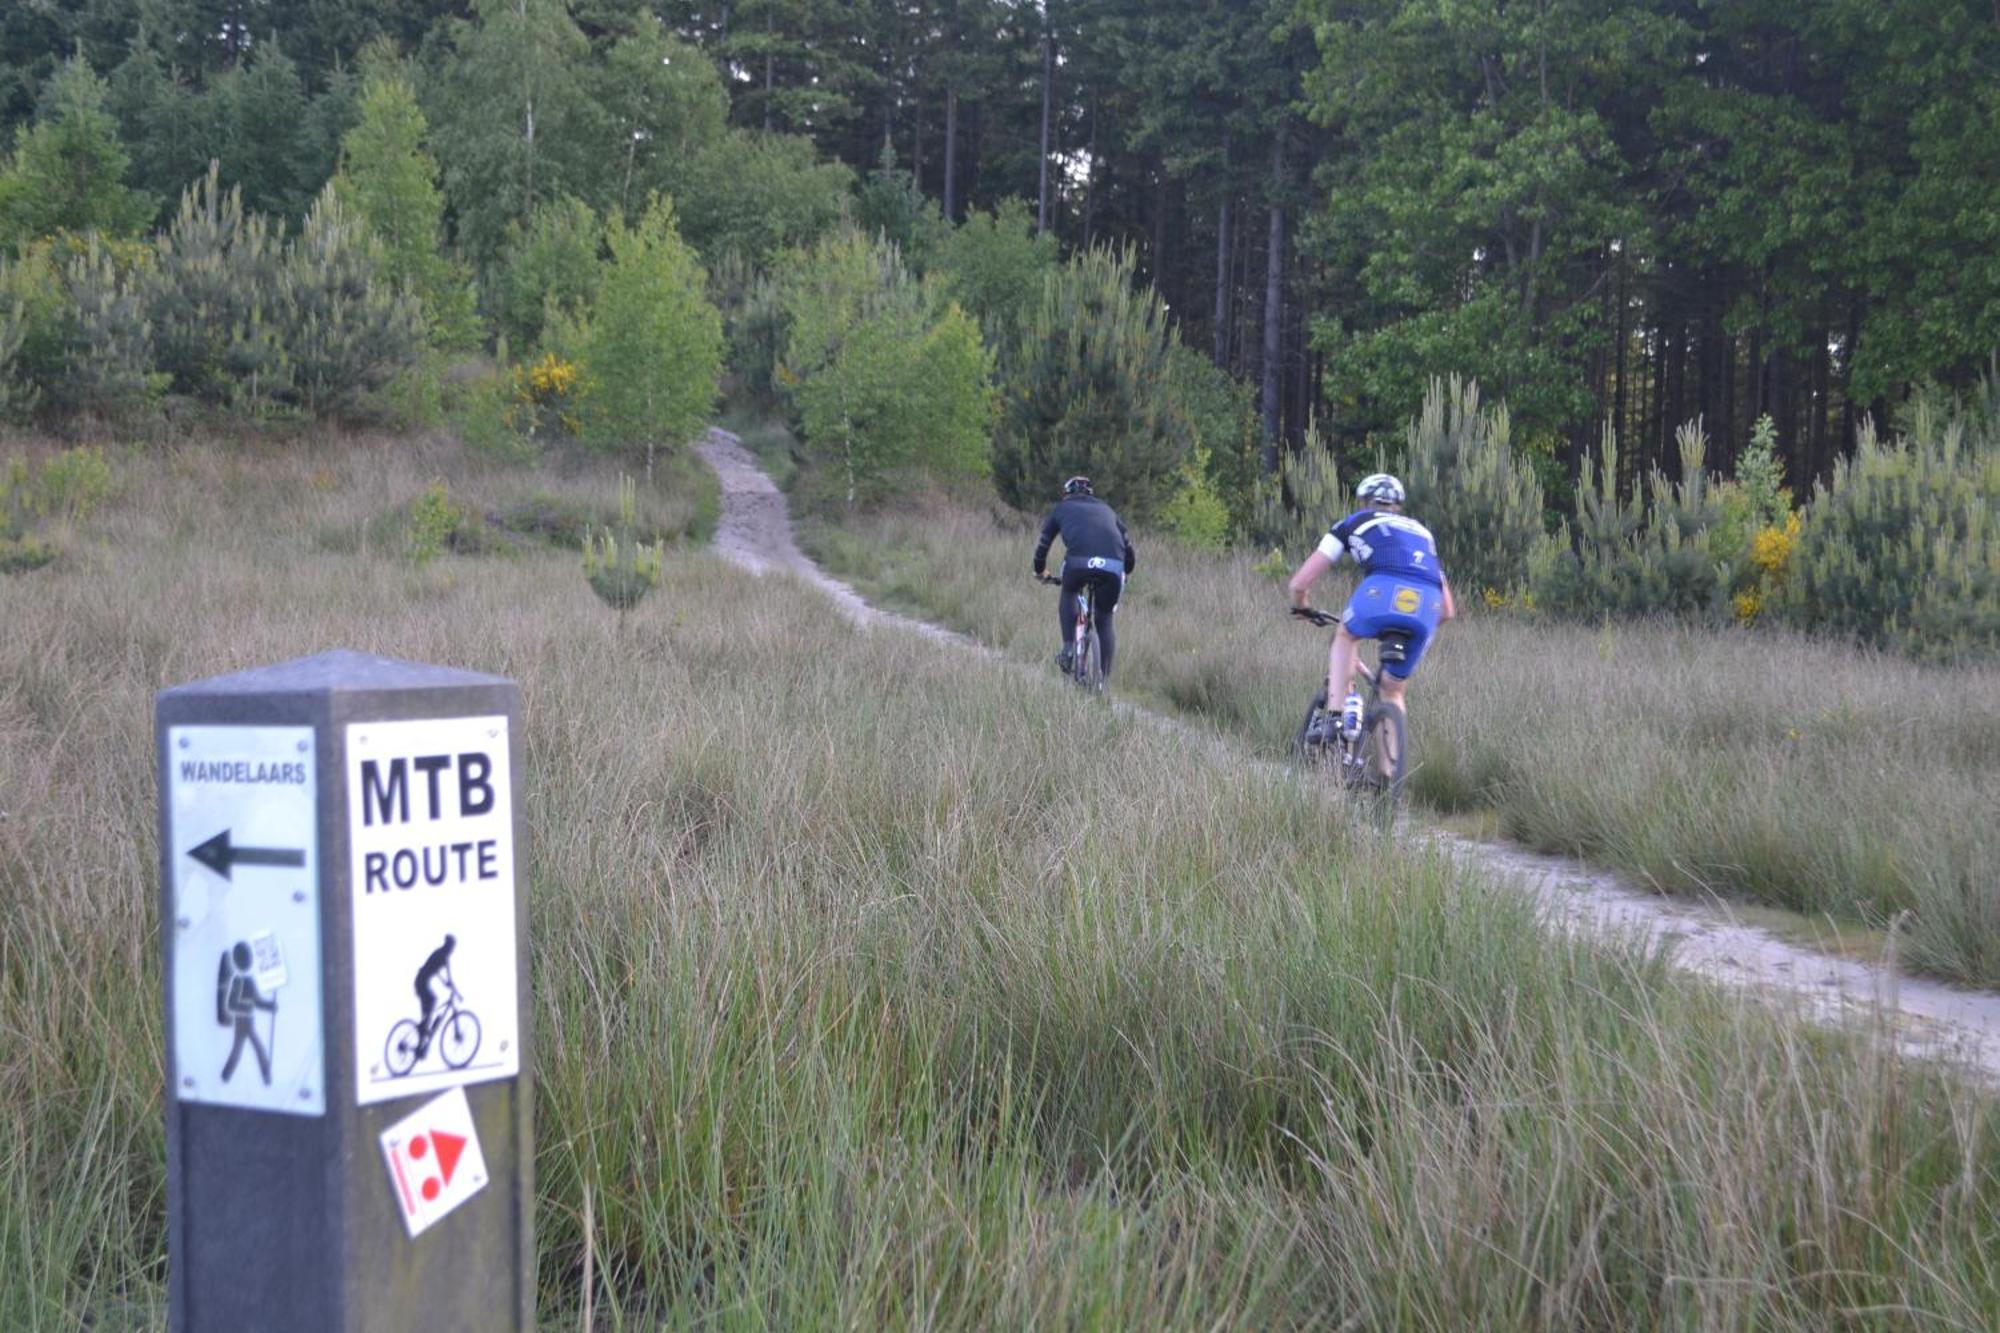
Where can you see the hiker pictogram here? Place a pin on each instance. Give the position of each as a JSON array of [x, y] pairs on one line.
[[238, 999]]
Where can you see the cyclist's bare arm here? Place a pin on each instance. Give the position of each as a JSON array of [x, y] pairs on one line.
[[1307, 574], [1450, 610]]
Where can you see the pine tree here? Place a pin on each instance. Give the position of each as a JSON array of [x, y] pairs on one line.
[[213, 285], [346, 330], [68, 169], [1481, 501], [1087, 390]]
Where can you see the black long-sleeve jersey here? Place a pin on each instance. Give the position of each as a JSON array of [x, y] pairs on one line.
[[1088, 528]]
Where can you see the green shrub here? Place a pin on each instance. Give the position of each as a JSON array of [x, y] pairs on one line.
[[883, 371], [17, 392], [71, 485], [993, 265], [1467, 485], [434, 518], [1087, 390], [1901, 546], [553, 262], [1197, 514], [20, 554], [621, 568]]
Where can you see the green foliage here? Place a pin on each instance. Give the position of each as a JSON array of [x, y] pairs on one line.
[[889, 204], [759, 193], [389, 180], [67, 172], [1196, 514], [1295, 506], [551, 263], [515, 120], [346, 330], [107, 342], [1221, 414], [1901, 546], [663, 103], [17, 393], [653, 347], [262, 128], [70, 485], [1641, 554], [620, 568], [484, 417], [211, 295], [883, 370], [1468, 486], [433, 518], [1754, 516], [993, 265], [1087, 390]]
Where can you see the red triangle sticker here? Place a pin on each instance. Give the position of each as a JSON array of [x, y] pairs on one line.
[[450, 1147]]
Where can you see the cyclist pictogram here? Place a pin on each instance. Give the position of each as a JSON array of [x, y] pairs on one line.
[[443, 1020]]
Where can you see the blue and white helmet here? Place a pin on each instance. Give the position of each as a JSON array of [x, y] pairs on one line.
[[1380, 488]]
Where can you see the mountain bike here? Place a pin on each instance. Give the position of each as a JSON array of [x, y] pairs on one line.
[[1086, 661], [1373, 761], [455, 1027]]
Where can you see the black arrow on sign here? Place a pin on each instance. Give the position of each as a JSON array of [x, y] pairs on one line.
[[219, 856]]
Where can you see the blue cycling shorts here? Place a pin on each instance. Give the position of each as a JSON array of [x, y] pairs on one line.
[[1386, 602]]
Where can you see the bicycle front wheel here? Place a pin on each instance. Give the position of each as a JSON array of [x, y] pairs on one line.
[[1381, 752], [400, 1055], [1303, 745], [459, 1041]]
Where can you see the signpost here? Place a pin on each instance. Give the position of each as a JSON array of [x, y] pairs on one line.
[[344, 941]]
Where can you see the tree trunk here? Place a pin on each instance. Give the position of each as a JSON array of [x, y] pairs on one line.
[[951, 155], [1222, 262], [1048, 106], [1274, 274], [1090, 178]]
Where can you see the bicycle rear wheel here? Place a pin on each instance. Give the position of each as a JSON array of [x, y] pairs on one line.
[[1382, 753], [1090, 663]]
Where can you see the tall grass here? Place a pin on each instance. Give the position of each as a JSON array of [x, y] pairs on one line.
[[1797, 773], [880, 986]]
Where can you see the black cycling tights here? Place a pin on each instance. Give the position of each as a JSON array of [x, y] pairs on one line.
[[1108, 588]]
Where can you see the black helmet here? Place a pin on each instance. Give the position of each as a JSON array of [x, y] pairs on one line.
[[1077, 486]]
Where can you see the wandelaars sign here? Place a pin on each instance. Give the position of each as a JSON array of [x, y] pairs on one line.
[[243, 876], [431, 847]]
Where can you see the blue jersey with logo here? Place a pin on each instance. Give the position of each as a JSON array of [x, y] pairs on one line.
[[1385, 543]]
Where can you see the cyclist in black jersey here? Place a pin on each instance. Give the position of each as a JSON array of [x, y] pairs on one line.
[[1096, 550]]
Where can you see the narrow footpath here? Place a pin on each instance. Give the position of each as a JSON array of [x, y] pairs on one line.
[[1923, 1017]]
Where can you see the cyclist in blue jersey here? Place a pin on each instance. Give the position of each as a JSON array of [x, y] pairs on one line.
[[1402, 588]]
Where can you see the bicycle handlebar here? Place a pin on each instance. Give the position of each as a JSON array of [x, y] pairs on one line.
[[1047, 578], [1315, 615]]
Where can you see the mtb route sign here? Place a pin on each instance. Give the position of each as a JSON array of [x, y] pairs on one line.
[[244, 917], [431, 869]]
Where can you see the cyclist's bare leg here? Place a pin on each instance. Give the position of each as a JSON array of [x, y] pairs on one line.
[[1392, 692], [1340, 667]]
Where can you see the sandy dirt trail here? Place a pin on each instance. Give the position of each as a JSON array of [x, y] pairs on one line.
[[1924, 1018]]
